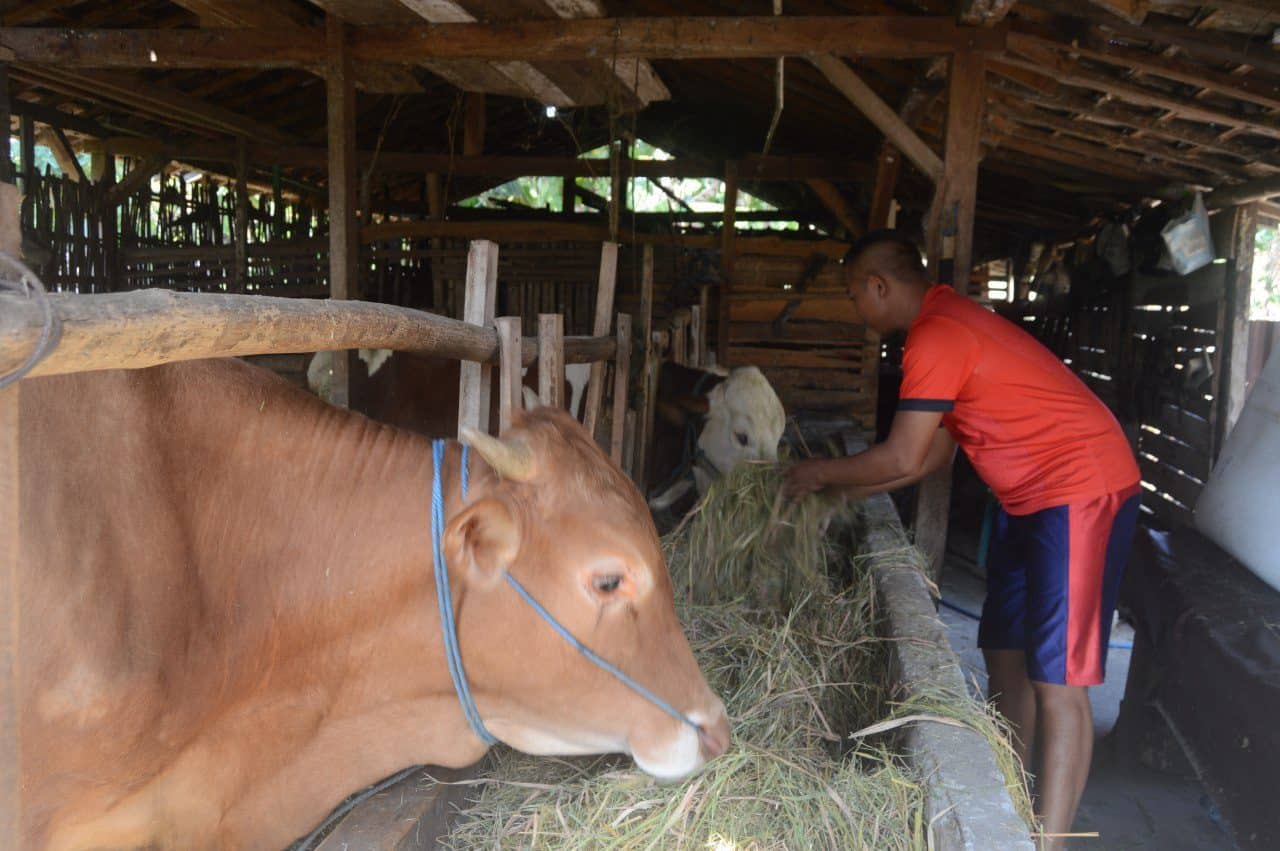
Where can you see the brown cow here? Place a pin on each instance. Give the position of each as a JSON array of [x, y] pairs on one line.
[[229, 619]]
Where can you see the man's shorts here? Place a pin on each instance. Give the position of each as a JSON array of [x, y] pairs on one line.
[[1052, 581]]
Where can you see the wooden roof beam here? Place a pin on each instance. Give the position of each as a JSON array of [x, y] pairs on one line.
[[1212, 45], [1037, 58], [1244, 193], [881, 115], [743, 37], [985, 13], [1264, 93], [837, 205], [1123, 116]]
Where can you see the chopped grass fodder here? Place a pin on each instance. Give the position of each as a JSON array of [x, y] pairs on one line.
[[797, 680]]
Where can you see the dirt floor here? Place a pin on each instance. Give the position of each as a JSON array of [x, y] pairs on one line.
[[1129, 805]]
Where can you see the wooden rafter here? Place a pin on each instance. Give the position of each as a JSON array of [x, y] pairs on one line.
[[880, 114], [162, 103], [838, 205], [985, 13], [1042, 60], [1124, 116], [1211, 45], [1264, 93], [745, 37]]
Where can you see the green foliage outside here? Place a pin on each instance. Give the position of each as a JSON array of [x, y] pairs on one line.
[[44, 157], [1265, 301], [703, 195]]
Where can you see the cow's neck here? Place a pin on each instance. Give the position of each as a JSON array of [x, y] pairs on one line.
[[327, 550]]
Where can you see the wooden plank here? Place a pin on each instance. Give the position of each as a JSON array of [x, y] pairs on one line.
[[644, 421], [806, 359], [621, 391], [888, 165], [344, 252], [881, 115], [1236, 345], [1243, 193], [697, 335], [1185, 426], [629, 446], [1176, 454], [149, 327], [798, 378], [10, 553], [680, 339], [509, 378], [985, 13], [479, 304], [1167, 480], [839, 206], [241, 276], [827, 400], [605, 288], [551, 359], [737, 37], [410, 815], [965, 103], [727, 233]]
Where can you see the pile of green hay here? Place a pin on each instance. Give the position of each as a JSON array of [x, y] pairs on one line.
[[796, 657]]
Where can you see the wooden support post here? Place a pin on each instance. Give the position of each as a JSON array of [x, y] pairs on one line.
[[27, 150], [551, 359], [617, 189], [7, 170], [473, 125], [604, 314], [704, 302], [242, 216], [509, 378], [480, 301], [568, 195], [951, 236], [621, 391], [680, 340], [888, 165], [344, 248], [60, 145], [645, 416], [696, 335], [10, 552], [727, 261], [1236, 345], [629, 446]]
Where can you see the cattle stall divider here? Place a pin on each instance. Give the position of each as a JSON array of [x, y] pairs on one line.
[[135, 330]]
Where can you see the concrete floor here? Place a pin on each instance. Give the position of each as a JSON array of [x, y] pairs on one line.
[[1129, 805]]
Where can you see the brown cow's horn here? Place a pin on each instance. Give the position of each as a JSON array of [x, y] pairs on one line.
[[510, 459]]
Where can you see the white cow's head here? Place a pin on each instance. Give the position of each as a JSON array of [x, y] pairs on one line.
[[745, 421]]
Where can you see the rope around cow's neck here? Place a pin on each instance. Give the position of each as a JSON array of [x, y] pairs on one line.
[[449, 627]]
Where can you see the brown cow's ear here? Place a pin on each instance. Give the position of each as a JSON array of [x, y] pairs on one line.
[[482, 541]]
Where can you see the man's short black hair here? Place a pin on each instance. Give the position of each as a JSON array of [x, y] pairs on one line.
[[905, 257]]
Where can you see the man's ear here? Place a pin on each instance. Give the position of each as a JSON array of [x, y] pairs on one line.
[[482, 541]]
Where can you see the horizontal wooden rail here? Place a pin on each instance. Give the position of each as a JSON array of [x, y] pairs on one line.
[[140, 329]]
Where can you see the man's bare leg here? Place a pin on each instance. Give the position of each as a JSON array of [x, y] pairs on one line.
[[1008, 686], [1065, 736]]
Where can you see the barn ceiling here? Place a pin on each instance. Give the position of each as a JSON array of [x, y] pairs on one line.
[[1091, 106]]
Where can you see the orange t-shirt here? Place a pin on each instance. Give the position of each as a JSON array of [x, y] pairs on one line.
[[1033, 431]]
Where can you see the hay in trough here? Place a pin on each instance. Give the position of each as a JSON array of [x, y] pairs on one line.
[[800, 667]]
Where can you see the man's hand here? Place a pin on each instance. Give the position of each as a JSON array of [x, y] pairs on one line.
[[805, 477]]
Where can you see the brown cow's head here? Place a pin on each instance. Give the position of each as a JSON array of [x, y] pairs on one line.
[[572, 529]]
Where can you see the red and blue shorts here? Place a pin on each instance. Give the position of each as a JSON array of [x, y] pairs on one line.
[[1052, 581]]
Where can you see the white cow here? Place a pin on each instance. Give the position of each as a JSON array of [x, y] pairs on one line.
[[743, 420]]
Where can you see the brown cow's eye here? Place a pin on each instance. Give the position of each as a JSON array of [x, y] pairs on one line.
[[607, 583], [741, 436]]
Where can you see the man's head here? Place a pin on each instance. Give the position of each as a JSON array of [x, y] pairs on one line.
[[886, 280]]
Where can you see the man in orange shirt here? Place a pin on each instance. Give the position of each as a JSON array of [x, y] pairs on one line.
[[1066, 479]]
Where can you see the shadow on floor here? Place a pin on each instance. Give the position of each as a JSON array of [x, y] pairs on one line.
[[1129, 805]]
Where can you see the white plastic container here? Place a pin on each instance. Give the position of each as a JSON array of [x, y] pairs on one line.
[[1239, 508]]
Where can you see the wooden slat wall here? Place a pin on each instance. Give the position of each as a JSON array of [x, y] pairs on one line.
[[805, 335], [1138, 351]]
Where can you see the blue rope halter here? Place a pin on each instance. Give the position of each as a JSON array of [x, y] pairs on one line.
[[449, 628]]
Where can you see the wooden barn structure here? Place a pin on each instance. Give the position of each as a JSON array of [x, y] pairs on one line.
[[334, 148]]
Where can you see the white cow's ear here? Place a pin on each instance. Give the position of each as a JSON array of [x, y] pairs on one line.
[[483, 541], [531, 400]]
